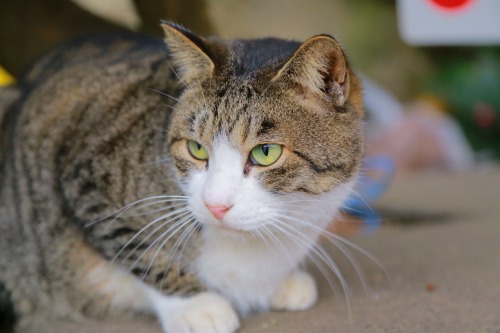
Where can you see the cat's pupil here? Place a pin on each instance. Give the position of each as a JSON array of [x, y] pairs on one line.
[[265, 149], [198, 146]]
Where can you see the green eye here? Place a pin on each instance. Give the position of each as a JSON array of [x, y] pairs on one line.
[[265, 154], [197, 151]]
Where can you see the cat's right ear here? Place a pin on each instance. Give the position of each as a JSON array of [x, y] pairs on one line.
[[188, 52]]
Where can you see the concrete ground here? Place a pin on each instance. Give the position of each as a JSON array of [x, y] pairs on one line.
[[440, 246]]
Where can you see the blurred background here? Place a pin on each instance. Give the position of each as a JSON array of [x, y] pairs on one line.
[[431, 74], [432, 104]]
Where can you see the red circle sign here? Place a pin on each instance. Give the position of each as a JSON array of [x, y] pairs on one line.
[[451, 4]]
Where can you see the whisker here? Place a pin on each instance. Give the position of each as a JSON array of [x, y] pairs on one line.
[[337, 241], [143, 206], [193, 228], [169, 106], [179, 240], [188, 87], [181, 224], [116, 214], [360, 197], [182, 211], [157, 210], [355, 264], [334, 237], [174, 98], [186, 235], [323, 256], [277, 242], [261, 237]]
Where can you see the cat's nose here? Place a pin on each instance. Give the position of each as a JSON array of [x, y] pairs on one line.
[[218, 211]]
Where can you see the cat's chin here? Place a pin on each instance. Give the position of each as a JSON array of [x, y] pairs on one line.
[[230, 231]]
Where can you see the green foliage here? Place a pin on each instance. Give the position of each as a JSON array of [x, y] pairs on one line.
[[470, 85]]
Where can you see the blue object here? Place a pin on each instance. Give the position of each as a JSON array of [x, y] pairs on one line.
[[378, 172]]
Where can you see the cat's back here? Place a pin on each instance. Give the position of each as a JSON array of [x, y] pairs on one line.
[[63, 68], [68, 131], [92, 52], [75, 105]]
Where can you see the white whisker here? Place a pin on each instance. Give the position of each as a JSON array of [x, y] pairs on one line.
[[185, 236], [185, 84], [174, 98], [182, 211], [353, 191], [121, 211], [334, 237], [322, 255], [261, 237], [180, 225], [278, 243], [183, 204]]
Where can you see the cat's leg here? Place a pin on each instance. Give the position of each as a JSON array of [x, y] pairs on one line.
[[205, 312], [297, 292], [201, 313]]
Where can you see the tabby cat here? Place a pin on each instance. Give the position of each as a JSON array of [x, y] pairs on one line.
[[189, 183]]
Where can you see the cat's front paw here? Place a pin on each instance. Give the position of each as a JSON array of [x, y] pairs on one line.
[[203, 313], [297, 292]]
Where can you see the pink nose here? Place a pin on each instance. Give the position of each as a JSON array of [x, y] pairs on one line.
[[218, 211]]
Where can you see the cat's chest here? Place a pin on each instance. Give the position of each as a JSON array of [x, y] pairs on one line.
[[245, 271]]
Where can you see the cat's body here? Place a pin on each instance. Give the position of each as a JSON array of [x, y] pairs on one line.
[[90, 137]]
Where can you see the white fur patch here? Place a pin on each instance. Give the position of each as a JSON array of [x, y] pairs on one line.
[[263, 237], [123, 290], [205, 312], [297, 292]]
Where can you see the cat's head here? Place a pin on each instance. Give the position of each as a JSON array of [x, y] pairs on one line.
[[265, 130]]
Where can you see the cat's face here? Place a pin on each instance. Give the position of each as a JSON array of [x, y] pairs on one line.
[[254, 147]]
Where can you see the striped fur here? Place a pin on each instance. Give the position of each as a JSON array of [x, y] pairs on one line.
[[102, 123]]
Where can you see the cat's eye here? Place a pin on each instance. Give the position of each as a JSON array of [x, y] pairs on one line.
[[265, 154], [197, 151]]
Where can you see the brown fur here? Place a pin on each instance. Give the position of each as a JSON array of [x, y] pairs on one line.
[[89, 136]]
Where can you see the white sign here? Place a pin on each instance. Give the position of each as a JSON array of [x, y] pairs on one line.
[[449, 22]]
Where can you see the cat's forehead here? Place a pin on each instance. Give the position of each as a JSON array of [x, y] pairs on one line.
[[234, 109]]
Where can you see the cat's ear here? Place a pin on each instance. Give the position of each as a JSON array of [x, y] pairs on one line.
[[319, 66], [188, 53]]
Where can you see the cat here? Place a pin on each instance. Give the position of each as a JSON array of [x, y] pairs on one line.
[[189, 182]]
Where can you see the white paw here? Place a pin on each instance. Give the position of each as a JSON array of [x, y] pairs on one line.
[[297, 292], [203, 313]]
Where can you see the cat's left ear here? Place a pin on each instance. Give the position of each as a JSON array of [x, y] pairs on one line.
[[319, 66], [189, 53]]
